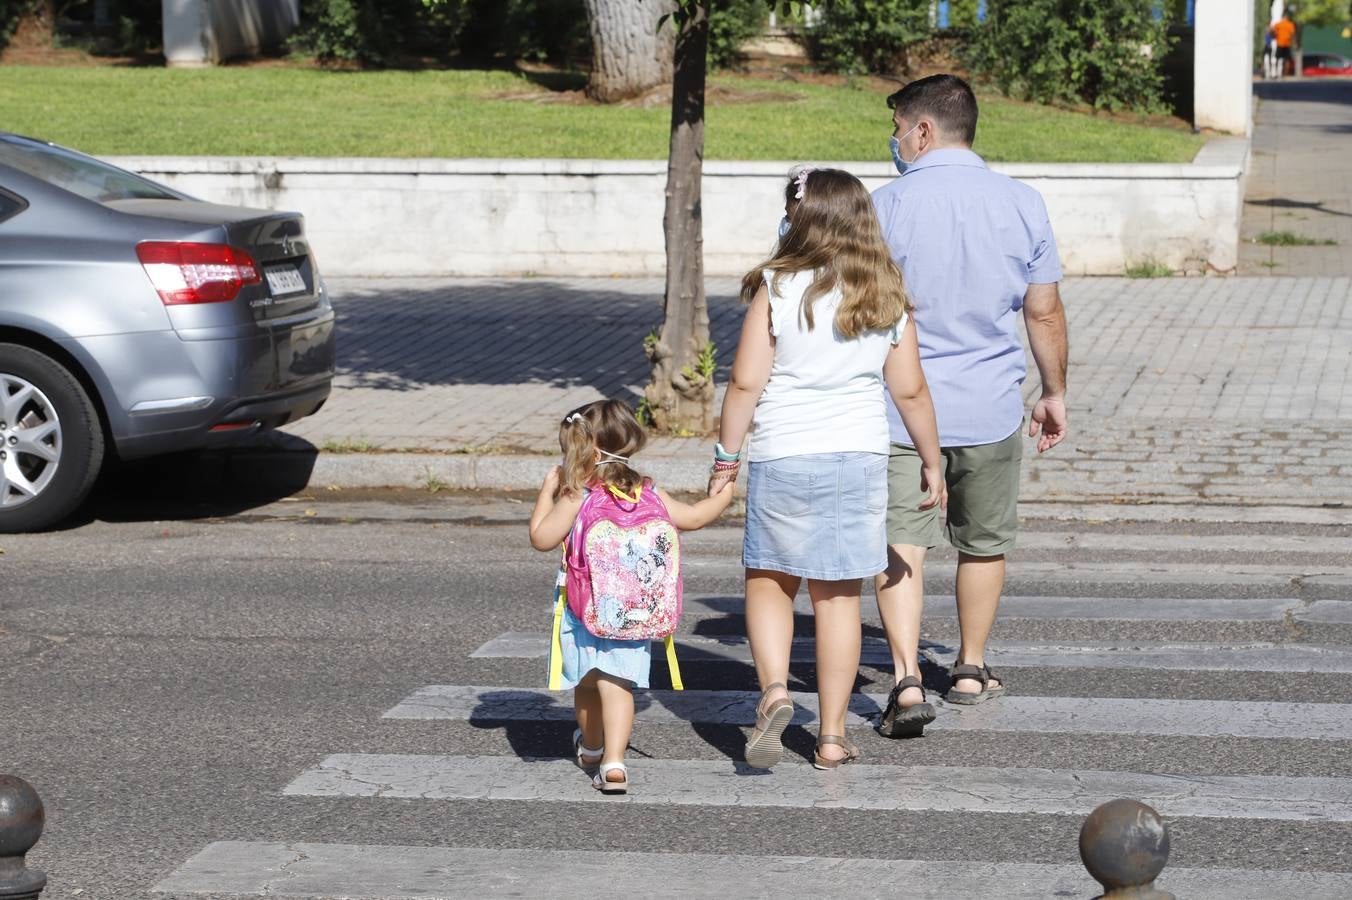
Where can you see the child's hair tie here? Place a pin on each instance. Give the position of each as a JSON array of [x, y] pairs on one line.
[[801, 179], [614, 457], [573, 417]]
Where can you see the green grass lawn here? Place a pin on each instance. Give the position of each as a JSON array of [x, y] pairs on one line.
[[307, 112]]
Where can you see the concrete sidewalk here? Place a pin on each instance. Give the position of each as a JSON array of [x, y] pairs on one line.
[[1300, 180], [1182, 390]]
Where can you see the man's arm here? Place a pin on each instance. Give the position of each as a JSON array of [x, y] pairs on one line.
[[1045, 318]]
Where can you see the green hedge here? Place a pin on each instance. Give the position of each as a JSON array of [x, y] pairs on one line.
[[1105, 53], [860, 36]]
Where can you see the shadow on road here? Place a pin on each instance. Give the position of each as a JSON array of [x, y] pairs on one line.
[[196, 485]]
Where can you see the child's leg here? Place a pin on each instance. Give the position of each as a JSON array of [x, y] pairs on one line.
[[617, 717], [587, 708], [769, 625], [836, 605]]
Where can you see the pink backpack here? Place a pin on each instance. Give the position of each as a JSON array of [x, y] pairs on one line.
[[623, 565]]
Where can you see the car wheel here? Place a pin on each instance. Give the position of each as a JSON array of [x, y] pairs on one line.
[[51, 444]]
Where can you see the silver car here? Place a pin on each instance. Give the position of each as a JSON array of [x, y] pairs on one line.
[[136, 320]]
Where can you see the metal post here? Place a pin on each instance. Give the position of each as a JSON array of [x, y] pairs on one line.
[[1124, 844], [21, 821]]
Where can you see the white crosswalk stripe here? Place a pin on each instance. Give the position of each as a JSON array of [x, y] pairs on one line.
[[309, 869], [686, 782], [1195, 580], [1050, 715], [1252, 656]]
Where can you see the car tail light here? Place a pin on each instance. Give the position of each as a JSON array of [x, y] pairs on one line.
[[196, 273]]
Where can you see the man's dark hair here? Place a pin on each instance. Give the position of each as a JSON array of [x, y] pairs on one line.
[[946, 99]]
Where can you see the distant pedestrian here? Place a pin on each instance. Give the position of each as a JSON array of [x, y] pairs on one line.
[[978, 253], [629, 553], [827, 320], [1283, 33]]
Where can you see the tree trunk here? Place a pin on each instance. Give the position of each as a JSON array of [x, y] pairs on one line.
[[680, 396], [630, 56]]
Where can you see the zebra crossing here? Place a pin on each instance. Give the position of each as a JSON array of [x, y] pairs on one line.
[[1261, 617]]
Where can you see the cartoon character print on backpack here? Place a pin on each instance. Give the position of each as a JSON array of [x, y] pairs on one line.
[[626, 584]]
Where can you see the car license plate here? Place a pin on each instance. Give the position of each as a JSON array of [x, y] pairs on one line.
[[284, 280]]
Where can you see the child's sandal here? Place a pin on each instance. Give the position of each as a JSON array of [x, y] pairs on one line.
[[605, 785], [579, 752]]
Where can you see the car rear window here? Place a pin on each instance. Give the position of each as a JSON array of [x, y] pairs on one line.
[[77, 173], [11, 205]]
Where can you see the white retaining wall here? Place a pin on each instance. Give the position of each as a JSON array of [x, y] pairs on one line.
[[602, 217]]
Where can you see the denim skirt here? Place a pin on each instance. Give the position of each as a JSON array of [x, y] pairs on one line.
[[821, 515]]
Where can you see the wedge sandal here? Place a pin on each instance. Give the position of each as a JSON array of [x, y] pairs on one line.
[[821, 762], [765, 747], [981, 673], [580, 751], [603, 783], [905, 721]]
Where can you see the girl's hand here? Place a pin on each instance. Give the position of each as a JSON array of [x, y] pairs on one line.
[[932, 480], [720, 480], [552, 479]]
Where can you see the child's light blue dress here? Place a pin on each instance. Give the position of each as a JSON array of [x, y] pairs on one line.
[[583, 651]]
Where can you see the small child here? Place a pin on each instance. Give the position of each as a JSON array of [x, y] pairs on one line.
[[598, 441]]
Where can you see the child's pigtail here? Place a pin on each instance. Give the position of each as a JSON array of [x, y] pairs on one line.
[[579, 454]]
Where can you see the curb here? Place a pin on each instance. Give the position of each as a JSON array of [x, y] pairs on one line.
[[294, 470]]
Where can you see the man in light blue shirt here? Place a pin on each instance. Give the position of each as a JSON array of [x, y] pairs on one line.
[[976, 249]]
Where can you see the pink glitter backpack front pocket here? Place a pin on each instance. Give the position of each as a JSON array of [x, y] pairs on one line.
[[623, 564]]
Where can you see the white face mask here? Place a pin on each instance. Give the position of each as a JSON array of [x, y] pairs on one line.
[[784, 227], [895, 143]]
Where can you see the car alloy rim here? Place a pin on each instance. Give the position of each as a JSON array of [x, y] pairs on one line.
[[30, 441]]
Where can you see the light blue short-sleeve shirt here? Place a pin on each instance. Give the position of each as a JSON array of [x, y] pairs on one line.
[[969, 241]]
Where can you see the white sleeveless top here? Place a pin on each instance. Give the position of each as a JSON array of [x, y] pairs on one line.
[[825, 393]]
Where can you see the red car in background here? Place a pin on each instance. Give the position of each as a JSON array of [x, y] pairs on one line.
[[1317, 64]]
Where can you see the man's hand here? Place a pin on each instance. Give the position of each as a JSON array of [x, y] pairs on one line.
[[1048, 423], [933, 484]]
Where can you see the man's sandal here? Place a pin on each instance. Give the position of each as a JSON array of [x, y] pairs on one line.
[[981, 673], [603, 783], [905, 721], [765, 747], [821, 762], [587, 758]]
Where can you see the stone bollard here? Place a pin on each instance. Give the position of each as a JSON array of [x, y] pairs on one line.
[[21, 820], [1124, 844]]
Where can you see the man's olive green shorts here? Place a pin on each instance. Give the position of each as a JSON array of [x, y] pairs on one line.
[[983, 494]]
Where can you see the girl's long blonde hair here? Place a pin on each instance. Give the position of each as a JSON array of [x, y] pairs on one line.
[[606, 425], [834, 233]]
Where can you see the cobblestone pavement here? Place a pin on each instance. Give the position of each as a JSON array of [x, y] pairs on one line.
[[1181, 390], [1301, 178]]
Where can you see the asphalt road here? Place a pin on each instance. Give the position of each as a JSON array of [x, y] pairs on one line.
[[164, 677]]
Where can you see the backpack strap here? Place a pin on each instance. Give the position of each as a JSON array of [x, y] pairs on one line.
[[672, 667], [556, 642], [627, 498]]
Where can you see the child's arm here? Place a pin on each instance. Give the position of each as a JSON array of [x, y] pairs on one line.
[[694, 516], [551, 520], [910, 392]]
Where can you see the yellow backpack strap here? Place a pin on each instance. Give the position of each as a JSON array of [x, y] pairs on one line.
[[621, 495], [556, 645], [672, 666]]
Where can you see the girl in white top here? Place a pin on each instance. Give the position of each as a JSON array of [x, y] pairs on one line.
[[828, 319]]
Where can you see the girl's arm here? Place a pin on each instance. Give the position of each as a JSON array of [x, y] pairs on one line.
[[750, 372], [910, 392], [694, 516], [551, 520]]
